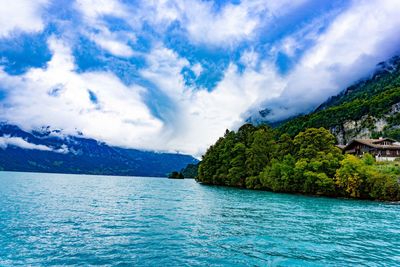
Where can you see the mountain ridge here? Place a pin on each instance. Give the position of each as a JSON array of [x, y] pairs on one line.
[[51, 151]]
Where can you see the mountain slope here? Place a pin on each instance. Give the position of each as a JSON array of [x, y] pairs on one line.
[[50, 151], [369, 108]]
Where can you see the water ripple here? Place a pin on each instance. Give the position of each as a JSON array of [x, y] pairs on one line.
[[50, 219]]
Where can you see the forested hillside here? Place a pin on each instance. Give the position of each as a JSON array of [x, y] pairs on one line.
[[369, 108]]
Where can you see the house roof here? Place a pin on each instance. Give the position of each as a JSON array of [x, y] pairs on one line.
[[375, 143]]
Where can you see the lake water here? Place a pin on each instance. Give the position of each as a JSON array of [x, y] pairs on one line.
[[55, 219]]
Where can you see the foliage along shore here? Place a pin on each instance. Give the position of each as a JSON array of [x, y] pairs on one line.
[[310, 163]]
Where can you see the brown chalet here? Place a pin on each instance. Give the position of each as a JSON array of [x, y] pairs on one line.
[[382, 148]]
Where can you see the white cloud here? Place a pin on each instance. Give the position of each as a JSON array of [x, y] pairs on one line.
[[21, 15], [249, 58], [164, 67], [207, 24], [63, 149], [234, 23], [93, 12], [197, 69], [208, 114], [6, 141], [114, 47], [120, 117], [200, 116], [112, 42], [92, 9], [202, 21], [337, 59], [365, 34], [58, 96]]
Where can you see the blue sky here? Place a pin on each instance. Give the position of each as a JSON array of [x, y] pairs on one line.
[[172, 75]]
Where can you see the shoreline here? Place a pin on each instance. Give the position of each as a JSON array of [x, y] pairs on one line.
[[302, 194]]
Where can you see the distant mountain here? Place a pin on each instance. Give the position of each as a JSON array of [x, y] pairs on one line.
[[51, 151], [369, 108]]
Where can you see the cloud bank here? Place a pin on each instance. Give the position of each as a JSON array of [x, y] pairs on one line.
[[353, 44], [172, 75], [21, 16], [6, 141]]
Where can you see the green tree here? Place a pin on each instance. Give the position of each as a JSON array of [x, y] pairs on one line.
[[286, 146], [312, 141], [245, 134], [261, 151], [352, 176], [317, 161], [368, 159], [225, 156], [237, 172], [279, 176], [175, 175]]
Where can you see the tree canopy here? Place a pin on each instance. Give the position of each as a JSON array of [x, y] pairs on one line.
[[309, 163]]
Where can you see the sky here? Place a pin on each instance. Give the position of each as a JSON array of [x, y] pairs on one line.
[[173, 75]]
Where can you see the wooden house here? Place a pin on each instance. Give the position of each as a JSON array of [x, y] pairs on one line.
[[382, 148]]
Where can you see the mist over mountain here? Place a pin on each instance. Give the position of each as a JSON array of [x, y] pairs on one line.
[[369, 108], [52, 151]]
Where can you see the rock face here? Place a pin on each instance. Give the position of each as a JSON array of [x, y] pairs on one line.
[[366, 127], [395, 109]]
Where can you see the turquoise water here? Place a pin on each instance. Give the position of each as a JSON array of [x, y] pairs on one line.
[[54, 219]]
